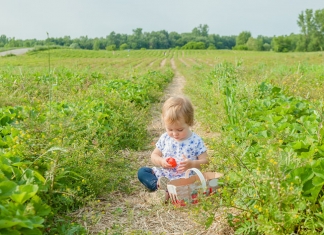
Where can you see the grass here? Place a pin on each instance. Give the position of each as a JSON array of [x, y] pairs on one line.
[[106, 136]]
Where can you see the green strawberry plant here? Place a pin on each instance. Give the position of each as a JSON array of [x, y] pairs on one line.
[[271, 151], [22, 210], [281, 165]]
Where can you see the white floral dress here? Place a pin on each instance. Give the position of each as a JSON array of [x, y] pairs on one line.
[[191, 148]]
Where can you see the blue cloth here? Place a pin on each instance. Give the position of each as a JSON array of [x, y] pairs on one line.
[[147, 177]]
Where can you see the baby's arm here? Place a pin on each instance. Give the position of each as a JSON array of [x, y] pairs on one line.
[[202, 160], [158, 160]]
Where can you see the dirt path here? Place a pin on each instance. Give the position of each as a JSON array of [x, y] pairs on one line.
[[163, 63], [19, 51], [144, 211]]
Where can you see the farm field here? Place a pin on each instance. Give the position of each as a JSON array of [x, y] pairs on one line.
[[75, 126]]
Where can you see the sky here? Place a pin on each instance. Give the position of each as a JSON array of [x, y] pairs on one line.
[[31, 19]]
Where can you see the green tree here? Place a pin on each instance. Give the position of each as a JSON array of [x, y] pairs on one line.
[[294, 38], [242, 38], [196, 32], [201, 30], [67, 40], [204, 30], [305, 22], [111, 47], [266, 46], [180, 42], [74, 45], [194, 45], [240, 48], [254, 44], [211, 47], [12, 43], [133, 45], [153, 42], [312, 30], [319, 24], [185, 38], [136, 40], [3, 40], [281, 44], [157, 40], [84, 42], [173, 37], [114, 39], [222, 42], [163, 39], [123, 46], [202, 39], [96, 45]]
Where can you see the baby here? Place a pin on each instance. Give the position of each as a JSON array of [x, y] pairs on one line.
[[178, 142]]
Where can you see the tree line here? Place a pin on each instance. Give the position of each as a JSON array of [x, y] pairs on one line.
[[311, 38], [137, 40]]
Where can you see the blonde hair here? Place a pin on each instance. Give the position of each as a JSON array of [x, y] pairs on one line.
[[178, 108]]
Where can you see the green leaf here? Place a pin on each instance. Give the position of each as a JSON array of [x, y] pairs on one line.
[[318, 168], [311, 192], [321, 132], [304, 173], [283, 126], [308, 187], [9, 232], [263, 134], [41, 208], [276, 119], [321, 150], [300, 145], [24, 193], [39, 176], [317, 181], [7, 188], [209, 221], [36, 221], [4, 120], [19, 164], [30, 222], [7, 223], [276, 90], [34, 231]]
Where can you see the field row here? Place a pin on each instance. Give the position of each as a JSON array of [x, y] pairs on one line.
[[66, 115]]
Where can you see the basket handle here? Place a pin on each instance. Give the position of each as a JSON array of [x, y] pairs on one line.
[[200, 175]]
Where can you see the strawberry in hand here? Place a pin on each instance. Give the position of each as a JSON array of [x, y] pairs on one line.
[[171, 161]]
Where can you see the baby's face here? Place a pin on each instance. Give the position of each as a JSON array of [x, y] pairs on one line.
[[178, 130]]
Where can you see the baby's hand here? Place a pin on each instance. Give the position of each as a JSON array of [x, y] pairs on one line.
[[165, 164], [185, 164]]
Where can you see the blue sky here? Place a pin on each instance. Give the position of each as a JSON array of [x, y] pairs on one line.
[[97, 18]]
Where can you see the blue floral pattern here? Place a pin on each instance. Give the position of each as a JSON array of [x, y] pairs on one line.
[[191, 148]]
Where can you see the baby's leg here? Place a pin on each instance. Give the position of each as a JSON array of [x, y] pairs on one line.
[[147, 177]]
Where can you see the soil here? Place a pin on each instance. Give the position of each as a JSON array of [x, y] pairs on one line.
[[143, 211]]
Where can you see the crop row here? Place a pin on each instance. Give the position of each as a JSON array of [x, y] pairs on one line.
[[271, 150], [61, 133]]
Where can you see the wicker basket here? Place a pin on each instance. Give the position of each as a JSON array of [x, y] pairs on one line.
[[186, 190]]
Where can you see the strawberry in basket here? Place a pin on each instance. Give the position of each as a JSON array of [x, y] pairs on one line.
[[179, 203]]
